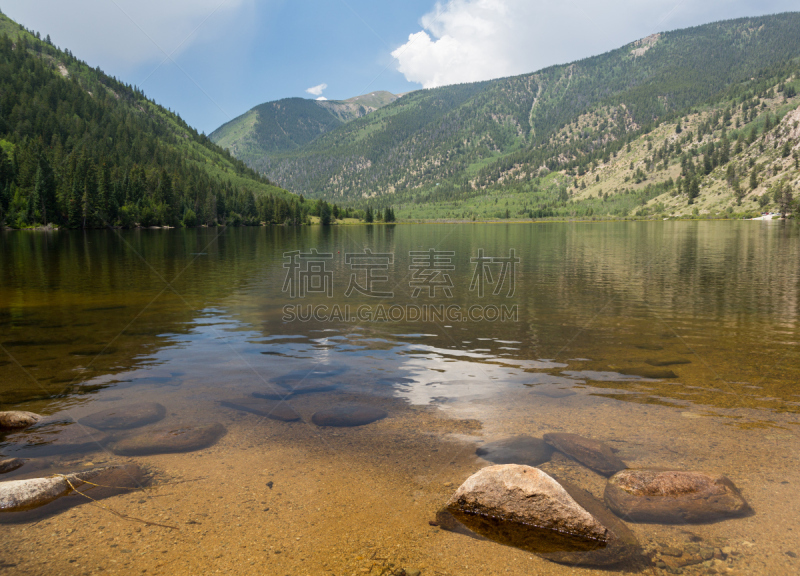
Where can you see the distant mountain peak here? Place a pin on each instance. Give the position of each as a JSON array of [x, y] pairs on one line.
[[285, 125]]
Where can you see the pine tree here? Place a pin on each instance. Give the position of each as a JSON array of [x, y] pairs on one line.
[[693, 190], [45, 190], [74, 206], [89, 199]]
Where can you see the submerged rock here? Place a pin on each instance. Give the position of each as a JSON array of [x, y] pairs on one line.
[[667, 361], [523, 507], [10, 464], [56, 438], [275, 410], [591, 453], [285, 390], [18, 498], [177, 438], [125, 417], [671, 496], [551, 392], [646, 372], [650, 346], [302, 382], [17, 419], [525, 450], [622, 544], [348, 415]]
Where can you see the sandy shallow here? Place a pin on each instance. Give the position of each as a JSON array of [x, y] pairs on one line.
[[359, 500]]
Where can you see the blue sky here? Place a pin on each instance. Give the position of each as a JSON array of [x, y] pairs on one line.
[[211, 60]]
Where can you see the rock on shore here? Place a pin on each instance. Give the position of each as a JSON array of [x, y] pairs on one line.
[[671, 496]]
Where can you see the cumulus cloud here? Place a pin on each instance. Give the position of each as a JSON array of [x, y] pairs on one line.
[[317, 90], [127, 32], [321, 98], [473, 40]]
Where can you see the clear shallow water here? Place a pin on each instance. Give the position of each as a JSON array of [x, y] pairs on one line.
[[189, 318]]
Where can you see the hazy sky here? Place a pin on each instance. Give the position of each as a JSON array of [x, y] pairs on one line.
[[212, 60]]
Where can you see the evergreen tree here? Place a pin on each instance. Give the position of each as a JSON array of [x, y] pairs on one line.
[[693, 190], [74, 206], [324, 213]]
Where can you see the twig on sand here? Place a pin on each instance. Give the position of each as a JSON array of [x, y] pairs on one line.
[[107, 509]]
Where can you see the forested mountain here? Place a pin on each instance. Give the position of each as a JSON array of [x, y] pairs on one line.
[[537, 133], [81, 149], [288, 124]]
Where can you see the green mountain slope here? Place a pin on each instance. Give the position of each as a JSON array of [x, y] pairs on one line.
[[454, 143], [82, 149], [288, 124]]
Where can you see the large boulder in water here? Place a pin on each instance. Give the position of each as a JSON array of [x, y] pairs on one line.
[[22, 500], [672, 496], [17, 419], [176, 438], [525, 450], [591, 453], [523, 507], [126, 416]]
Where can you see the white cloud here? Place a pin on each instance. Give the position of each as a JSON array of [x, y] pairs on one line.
[[126, 33], [317, 90], [472, 40], [321, 98]]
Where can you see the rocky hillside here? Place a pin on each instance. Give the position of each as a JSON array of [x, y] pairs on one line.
[[464, 150]]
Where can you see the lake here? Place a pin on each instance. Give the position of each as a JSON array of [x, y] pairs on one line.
[[674, 343]]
